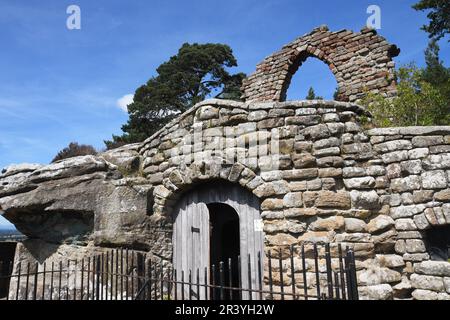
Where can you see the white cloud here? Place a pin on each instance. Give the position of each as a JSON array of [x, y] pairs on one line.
[[123, 102]]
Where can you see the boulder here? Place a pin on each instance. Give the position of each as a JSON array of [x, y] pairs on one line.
[[70, 167], [19, 168]]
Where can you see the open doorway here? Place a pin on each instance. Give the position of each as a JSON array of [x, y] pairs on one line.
[[224, 248], [7, 252], [213, 222]]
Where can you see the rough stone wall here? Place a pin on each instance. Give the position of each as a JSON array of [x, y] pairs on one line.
[[319, 176], [359, 61], [334, 182], [417, 161]]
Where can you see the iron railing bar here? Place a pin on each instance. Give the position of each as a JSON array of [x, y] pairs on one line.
[[305, 280], [316, 266], [270, 275], [280, 263], [292, 270], [250, 296], [341, 269], [329, 271]]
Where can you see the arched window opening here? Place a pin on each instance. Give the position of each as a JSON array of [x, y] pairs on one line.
[[312, 74], [437, 241]]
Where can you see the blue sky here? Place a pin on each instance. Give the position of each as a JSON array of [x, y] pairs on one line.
[[59, 85]]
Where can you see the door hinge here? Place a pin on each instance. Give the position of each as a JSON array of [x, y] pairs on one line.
[[193, 229]]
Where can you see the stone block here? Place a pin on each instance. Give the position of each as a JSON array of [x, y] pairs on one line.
[[390, 260], [354, 225], [427, 282], [414, 246], [376, 292], [350, 172], [327, 224], [336, 200], [408, 183], [406, 211], [365, 199], [411, 167], [433, 268], [422, 196], [293, 199], [434, 180], [394, 145], [418, 153], [426, 141], [380, 223], [360, 183], [395, 156], [405, 225]]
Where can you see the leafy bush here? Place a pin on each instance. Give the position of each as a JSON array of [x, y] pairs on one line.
[[418, 103], [75, 150]]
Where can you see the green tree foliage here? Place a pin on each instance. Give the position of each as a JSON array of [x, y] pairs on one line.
[[312, 95], [197, 72], [435, 72], [423, 95], [75, 150], [418, 103], [439, 15]]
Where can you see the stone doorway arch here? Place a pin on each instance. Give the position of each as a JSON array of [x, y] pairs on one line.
[[191, 235]]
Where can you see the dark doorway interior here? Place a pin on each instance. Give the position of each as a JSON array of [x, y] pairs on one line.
[[7, 251], [437, 240], [224, 248]]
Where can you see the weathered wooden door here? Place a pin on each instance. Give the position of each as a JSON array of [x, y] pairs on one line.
[[191, 245], [191, 238]]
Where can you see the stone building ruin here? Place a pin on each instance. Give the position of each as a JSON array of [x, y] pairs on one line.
[[293, 171], [360, 62]]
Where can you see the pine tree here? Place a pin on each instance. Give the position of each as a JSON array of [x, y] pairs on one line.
[[197, 72], [439, 15], [312, 95]]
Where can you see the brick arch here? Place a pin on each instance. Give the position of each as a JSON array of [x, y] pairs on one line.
[[360, 62]]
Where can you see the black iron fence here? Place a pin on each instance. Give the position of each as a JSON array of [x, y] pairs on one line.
[[283, 273]]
